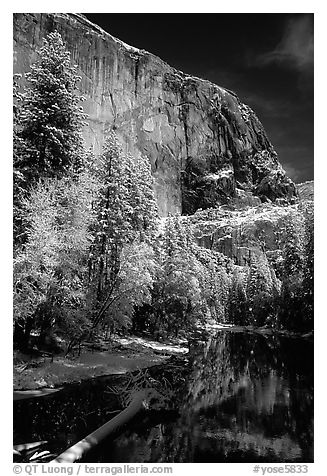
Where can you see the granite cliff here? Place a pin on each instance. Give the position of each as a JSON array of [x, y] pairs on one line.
[[205, 146], [306, 190], [243, 234]]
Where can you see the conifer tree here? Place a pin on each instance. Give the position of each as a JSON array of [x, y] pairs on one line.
[[214, 280], [145, 208], [237, 303], [291, 306], [308, 268], [178, 301], [127, 213], [52, 201], [261, 291], [293, 252], [51, 117], [19, 184], [296, 310]]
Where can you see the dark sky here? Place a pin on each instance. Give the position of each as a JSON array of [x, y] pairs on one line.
[[267, 59]]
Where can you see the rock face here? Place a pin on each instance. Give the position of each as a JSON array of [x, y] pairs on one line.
[[245, 229], [306, 190], [205, 146], [241, 234]]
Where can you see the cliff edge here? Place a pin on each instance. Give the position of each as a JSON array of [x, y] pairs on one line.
[[205, 146]]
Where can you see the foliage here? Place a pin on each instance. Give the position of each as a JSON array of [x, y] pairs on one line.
[[237, 299], [53, 195], [18, 177], [296, 309], [215, 282], [262, 291], [258, 297], [85, 225], [89, 252], [133, 285], [48, 138], [308, 271], [50, 271], [127, 220], [191, 284], [177, 299]]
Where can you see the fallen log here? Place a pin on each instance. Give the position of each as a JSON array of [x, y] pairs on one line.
[[22, 394], [143, 399], [29, 446], [26, 451]]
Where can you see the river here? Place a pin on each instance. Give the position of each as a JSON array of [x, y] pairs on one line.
[[245, 398]]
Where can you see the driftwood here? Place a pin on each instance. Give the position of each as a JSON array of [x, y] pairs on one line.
[[30, 451], [23, 394], [143, 399], [29, 446]]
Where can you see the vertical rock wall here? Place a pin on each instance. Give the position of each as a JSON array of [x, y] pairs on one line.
[[204, 145]]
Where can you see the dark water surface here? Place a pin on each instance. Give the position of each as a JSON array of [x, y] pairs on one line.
[[246, 398]]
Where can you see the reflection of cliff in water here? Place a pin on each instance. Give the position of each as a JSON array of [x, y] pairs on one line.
[[246, 398], [249, 398]]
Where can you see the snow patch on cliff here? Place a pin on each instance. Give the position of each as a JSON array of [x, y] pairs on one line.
[[224, 173]]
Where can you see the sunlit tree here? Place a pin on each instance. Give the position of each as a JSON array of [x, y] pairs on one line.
[[50, 271], [50, 115], [127, 214]]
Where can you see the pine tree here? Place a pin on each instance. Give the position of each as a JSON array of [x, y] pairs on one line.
[[291, 306], [237, 303], [214, 281], [293, 252], [296, 310], [177, 300], [145, 208], [308, 268], [51, 198], [51, 117], [19, 184], [127, 213], [261, 291]]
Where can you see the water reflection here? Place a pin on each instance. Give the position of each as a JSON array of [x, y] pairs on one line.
[[249, 398], [65, 416]]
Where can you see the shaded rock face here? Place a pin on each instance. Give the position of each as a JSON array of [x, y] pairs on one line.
[[202, 142]]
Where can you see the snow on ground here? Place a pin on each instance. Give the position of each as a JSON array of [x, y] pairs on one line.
[[158, 346], [218, 326], [128, 354]]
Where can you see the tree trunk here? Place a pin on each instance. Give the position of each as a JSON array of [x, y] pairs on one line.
[[19, 336], [22, 334], [140, 402]]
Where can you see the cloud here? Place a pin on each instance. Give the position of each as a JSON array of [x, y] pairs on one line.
[[295, 50]]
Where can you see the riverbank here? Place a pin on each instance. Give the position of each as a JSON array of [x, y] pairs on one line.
[[36, 376], [264, 330], [226, 396]]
